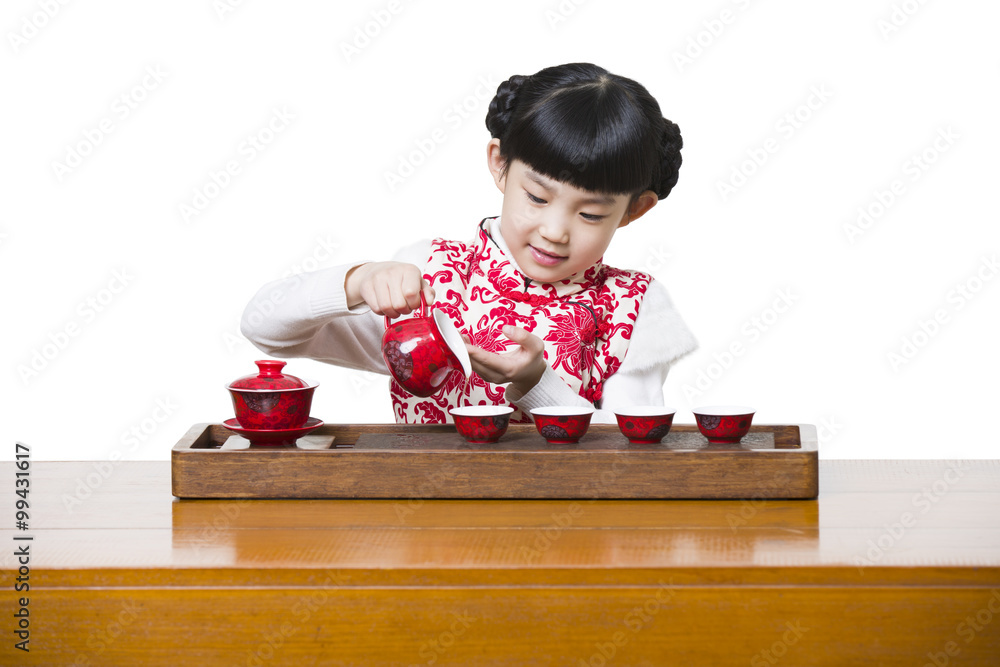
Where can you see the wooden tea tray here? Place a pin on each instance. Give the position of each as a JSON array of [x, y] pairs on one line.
[[433, 461]]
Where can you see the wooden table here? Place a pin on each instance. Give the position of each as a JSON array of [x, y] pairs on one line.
[[896, 563]]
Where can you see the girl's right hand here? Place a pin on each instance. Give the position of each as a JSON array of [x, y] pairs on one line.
[[389, 288]]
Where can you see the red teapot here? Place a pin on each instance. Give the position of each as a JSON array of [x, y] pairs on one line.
[[422, 351]]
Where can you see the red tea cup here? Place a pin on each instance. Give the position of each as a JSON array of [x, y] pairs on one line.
[[421, 352], [562, 424], [724, 424], [482, 423], [645, 424]]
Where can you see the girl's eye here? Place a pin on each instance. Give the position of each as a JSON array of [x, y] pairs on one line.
[[534, 198]]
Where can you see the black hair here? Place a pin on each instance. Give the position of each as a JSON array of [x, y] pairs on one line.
[[580, 124]]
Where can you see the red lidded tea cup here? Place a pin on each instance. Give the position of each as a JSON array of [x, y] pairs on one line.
[[271, 399]]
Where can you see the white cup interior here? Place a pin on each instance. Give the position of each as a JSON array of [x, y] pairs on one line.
[[646, 411], [454, 340], [723, 410], [482, 410], [562, 410]]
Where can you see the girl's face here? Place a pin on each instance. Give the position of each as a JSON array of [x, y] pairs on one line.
[[554, 229]]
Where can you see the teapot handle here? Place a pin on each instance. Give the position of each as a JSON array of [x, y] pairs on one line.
[[422, 313]]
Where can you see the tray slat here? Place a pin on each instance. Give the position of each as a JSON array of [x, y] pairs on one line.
[[433, 461]]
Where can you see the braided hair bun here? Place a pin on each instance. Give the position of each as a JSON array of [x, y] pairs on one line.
[[671, 143], [503, 105]]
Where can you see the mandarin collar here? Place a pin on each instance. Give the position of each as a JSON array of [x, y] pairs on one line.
[[489, 234]]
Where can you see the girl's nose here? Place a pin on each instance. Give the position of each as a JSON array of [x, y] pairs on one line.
[[554, 230]]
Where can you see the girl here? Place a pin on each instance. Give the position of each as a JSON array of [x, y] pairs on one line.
[[578, 153]]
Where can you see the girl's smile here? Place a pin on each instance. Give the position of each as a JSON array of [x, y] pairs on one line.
[[548, 259]]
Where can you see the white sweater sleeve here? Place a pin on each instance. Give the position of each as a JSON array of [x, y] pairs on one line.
[[306, 315], [550, 390], [659, 339]]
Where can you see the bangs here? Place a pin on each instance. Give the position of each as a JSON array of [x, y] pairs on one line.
[[590, 136]]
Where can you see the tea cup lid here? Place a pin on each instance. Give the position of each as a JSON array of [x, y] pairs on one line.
[[269, 377]]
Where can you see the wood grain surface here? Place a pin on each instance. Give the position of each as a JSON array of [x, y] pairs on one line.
[[895, 563]]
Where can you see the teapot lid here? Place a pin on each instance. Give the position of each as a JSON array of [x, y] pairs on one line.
[[270, 377]]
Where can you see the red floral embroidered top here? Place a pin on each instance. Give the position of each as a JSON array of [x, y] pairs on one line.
[[585, 322]]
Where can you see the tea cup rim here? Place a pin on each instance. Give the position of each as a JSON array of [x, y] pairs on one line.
[[481, 410], [723, 410], [562, 410], [310, 385], [646, 411]]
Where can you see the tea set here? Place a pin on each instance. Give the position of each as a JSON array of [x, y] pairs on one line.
[[421, 352], [272, 408]]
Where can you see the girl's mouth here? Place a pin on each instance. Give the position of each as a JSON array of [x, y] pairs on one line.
[[544, 258]]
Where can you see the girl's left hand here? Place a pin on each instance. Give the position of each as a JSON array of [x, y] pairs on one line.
[[522, 367]]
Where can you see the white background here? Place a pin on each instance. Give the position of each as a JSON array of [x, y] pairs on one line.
[[156, 358]]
